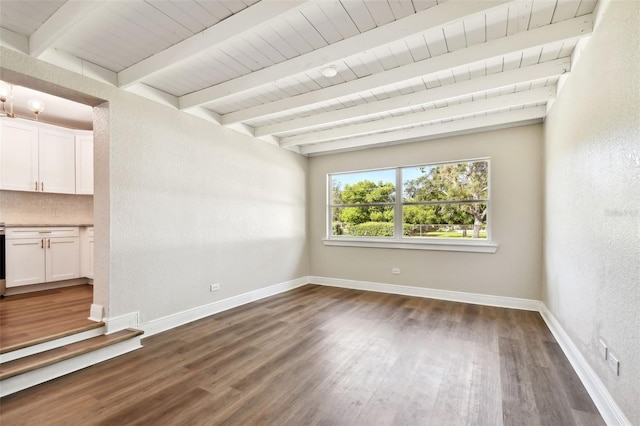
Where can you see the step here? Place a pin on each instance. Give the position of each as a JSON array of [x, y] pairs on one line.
[[31, 370], [56, 340]]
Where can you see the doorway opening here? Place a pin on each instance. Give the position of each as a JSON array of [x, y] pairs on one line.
[[70, 114]]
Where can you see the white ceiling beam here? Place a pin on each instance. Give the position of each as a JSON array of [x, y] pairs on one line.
[[437, 16], [156, 95], [79, 66], [14, 41], [59, 24], [205, 114], [566, 30], [443, 93], [467, 125], [216, 36], [542, 94]]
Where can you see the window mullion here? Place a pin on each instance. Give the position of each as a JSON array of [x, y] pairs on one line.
[[397, 214]]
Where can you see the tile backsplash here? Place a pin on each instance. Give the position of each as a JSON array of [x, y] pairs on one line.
[[17, 207]]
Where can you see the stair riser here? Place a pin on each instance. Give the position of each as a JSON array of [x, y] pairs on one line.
[[35, 377], [63, 341]]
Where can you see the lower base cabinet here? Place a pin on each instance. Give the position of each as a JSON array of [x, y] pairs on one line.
[[39, 255]]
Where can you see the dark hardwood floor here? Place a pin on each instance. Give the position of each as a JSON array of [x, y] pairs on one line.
[[327, 356], [27, 319]]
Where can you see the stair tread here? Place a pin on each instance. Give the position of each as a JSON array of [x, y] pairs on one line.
[[43, 359], [74, 330]]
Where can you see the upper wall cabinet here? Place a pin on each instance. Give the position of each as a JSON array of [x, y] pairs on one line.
[[57, 161], [18, 156], [39, 157]]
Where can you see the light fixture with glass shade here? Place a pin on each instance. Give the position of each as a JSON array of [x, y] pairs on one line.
[[6, 95], [36, 106]]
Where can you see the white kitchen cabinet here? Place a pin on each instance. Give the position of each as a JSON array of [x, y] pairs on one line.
[[84, 163], [25, 261], [37, 157], [57, 161], [18, 155], [86, 252], [38, 255]]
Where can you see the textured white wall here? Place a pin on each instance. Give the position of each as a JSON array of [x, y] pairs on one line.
[[516, 185], [592, 214], [182, 203]]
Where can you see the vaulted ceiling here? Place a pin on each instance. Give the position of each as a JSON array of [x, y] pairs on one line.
[[406, 69]]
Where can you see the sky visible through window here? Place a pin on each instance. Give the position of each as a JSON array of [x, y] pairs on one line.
[[375, 176]]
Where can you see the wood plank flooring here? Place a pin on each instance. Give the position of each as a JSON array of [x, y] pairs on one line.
[[30, 318], [327, 356]]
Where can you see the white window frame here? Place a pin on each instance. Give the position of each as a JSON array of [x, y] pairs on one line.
[[398, 241]]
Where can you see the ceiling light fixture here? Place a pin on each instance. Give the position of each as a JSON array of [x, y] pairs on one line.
[[329, 71], [6, 94], [36, 106]]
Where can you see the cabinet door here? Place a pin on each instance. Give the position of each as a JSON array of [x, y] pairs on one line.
[[18, 156], [84, 164], [25, 261], [57, 165], [62, 258]]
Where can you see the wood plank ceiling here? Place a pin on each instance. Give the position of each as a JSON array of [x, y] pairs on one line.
[[406, 69]]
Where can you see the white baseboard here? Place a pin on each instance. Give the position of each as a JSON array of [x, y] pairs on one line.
[[596, 389], [455, 296], [23, 381], [171, 321], [130, 320], [12, 291]]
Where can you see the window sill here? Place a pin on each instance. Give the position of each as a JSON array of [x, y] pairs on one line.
[[468, 246]]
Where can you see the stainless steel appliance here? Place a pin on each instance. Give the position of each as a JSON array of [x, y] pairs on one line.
[[3, 266]]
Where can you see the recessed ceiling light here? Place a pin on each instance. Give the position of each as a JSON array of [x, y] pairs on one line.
[[329, 71]]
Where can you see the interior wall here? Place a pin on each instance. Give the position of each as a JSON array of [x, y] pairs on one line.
[[516, 212], [18, 207], [190, 204], [592, 213]]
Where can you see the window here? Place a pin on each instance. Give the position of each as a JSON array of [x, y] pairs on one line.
[[426, 204]]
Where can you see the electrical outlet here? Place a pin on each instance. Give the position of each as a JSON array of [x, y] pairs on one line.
[[614, 364], [395, 271], [604, 349], [214, 287]]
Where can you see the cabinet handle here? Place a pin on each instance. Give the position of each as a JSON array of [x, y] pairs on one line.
[[36, 186], [49, 243], [42, 243], [41, 186]]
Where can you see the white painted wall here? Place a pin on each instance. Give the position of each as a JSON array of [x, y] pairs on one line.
[[516, 171], [592, 213], [182, 203]]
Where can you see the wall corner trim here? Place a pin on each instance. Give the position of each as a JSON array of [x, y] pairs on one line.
[[596, 389], [96, 312], [180, 318]]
